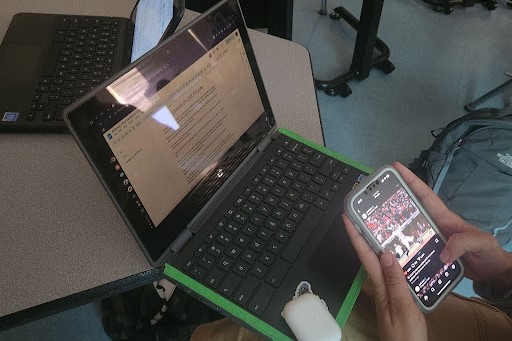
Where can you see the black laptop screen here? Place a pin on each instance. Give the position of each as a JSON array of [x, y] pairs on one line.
[[166, 134]]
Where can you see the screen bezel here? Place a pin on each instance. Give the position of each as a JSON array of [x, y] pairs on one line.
[[156, 247]]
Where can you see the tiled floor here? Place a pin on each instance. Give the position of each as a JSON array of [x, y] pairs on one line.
[[442, 62]]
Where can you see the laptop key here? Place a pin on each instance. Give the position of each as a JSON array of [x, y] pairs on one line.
[[240, 218], [198, 272], [327, 167], [233, 251], [229, 285], [249, 230], [246, 290], [317, 159], [225, 263], [308, 150], [282, 236], [303, 158], [233, 228], [207, 261], [289, 226], [319, 179], [327, 194], [257, 220], [309, 169], [255, 198], [215, 249], [274, 247], [286, 204], [249, 256], [214, 277], [241, 240], [278, 190], [267, 258], [211, 237], [294, 147], [31, 116], [285, 182], [200, 250], [321, 203], [257, 245], [241, 268], [277, 273], [189, 264], [265, 234], [302, 234], [261, 299]]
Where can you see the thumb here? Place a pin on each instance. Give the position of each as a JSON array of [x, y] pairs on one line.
[[396, 285], [460, 243]]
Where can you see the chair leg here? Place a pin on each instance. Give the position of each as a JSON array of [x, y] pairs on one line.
[[496, 91], [323, 9]]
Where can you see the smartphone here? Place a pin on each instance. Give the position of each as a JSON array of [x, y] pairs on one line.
[[390, 218]]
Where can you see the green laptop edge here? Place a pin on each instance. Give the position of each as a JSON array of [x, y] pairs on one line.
[[244, 315]]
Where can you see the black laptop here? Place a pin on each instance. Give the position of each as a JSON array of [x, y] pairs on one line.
[[234, 210], [47, 61]]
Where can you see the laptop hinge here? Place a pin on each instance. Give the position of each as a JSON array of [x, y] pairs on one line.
[[181, 240], [264, 143]]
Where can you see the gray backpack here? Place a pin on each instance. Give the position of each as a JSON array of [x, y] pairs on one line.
[[469, 166]]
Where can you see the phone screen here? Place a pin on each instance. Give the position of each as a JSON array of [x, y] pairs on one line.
[[399, 226]]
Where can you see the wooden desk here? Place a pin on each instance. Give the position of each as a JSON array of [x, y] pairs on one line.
[[62, 241]]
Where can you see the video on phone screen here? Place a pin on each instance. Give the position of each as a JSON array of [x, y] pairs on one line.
[[400, 228]]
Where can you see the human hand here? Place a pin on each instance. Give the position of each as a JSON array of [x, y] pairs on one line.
[[398, 316], [483, 257]]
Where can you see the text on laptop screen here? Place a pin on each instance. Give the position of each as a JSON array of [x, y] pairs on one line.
[[176, 136], [165, 135]]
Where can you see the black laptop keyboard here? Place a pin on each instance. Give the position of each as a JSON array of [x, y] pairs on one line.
[[261, 235], [81, 57]]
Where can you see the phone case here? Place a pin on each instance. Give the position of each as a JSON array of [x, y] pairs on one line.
[[354, 217]]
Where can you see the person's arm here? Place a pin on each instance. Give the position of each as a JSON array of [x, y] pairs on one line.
[[398, 316]]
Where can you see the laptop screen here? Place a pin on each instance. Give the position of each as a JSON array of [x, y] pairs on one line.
[[167, 133]]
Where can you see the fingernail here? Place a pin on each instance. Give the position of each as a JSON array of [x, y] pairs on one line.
[[386, 259], [445, 256]]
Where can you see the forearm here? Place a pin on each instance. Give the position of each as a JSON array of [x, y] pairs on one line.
[[498, 291], [504, 281]]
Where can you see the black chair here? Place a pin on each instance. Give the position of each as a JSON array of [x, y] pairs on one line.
[[366, 41], [447, 6]]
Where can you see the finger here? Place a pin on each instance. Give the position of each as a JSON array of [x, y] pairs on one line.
[[461, 243], [365, 253], [445, 219], [398, 294]]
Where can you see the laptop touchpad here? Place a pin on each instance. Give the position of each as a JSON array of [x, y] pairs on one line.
[[18, 62], [334, 263]]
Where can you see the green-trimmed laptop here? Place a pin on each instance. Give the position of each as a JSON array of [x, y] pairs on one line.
[[233, 210]]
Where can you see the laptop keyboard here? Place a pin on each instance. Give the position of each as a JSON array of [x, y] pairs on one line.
[[261, 235], [81, 57]]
